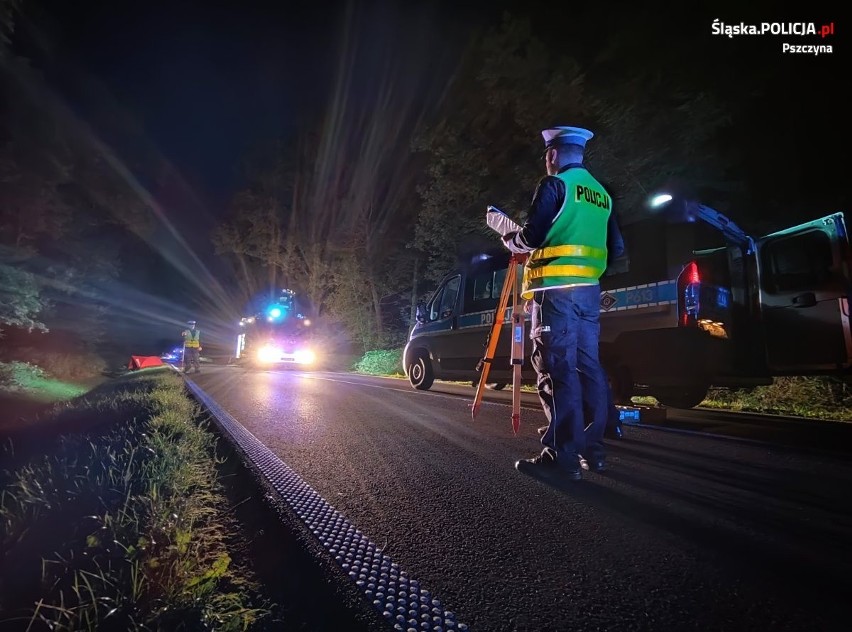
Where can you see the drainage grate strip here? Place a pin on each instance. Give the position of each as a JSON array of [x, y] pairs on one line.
[[400, 598]]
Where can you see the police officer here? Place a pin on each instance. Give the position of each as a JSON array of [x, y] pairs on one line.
[[615, 250], [191, 347], [566, 236]]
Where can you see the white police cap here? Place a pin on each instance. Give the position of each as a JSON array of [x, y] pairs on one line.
[[556, 136]]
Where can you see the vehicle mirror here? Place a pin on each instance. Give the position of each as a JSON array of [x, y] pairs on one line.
[[420, 313]]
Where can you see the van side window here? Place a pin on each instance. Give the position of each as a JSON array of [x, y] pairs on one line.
[[482, 292], [482, 286], [499, 280], [799, 262]]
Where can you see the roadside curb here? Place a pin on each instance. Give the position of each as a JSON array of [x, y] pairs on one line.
[[395, 595]]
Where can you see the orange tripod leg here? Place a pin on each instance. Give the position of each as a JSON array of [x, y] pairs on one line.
[[494, 336]]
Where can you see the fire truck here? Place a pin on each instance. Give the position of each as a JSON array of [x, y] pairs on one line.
[[677, 317], [278, 333]]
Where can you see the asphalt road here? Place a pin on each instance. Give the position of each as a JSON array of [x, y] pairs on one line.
[[684, 532]]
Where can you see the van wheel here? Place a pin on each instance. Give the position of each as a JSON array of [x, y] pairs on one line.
[[496, 386], [420, 372], [685, 397]]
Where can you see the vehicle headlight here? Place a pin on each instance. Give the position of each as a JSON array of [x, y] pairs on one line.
[[304, 356], [269, 353]]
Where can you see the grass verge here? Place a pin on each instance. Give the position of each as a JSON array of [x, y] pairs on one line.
[[810, 397], [32, 381], [380, 362], [814, 397], [123, 526]]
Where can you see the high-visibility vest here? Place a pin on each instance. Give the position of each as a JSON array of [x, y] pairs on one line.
[[574, 250], [192, 338]]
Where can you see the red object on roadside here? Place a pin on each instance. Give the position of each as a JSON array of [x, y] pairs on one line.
[[143, 362]]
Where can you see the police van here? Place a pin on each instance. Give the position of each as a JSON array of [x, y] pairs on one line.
[[675, 318]]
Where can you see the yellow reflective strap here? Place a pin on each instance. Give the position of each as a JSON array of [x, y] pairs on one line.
[[551, 252], [585, 272]]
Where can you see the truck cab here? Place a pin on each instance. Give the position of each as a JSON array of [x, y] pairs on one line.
[[676, 318], [277, 333]]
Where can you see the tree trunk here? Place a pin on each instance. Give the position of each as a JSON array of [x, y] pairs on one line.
[[377, 309], [414, 292]]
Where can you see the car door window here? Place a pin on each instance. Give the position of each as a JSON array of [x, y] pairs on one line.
[[448, 299], [800, 262], [434, 308]]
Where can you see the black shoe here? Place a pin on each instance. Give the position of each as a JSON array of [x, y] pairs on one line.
[[545, 466], [595, 465], [614, 432]]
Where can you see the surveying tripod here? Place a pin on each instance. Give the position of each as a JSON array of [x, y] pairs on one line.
[[510, 287]]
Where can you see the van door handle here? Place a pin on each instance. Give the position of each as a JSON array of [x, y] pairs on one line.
[[808, 299]]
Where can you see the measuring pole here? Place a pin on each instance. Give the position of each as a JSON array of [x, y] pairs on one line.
[[517, 355]]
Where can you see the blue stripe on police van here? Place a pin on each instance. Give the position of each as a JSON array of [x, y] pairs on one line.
[[620, 299], [440, 325], [486, 318], [639, 296]]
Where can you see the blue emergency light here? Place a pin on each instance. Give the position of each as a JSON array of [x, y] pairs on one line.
[[276, 312]]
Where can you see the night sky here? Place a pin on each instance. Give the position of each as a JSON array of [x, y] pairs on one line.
[[183, 90], [205, 81]]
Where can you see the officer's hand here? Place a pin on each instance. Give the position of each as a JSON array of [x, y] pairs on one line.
[[528, 306], [507, 241]]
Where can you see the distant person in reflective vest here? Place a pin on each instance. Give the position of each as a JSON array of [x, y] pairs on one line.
[[191, 348], [566, 236]]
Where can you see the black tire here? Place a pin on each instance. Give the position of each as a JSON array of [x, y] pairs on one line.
[[685, 397], [496, 386], [420, 373]]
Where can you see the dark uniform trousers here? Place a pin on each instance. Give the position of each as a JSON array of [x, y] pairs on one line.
[[191, 357], [565, 334]]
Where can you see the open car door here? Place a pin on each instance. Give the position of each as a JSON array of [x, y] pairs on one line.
[[804, 289]]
